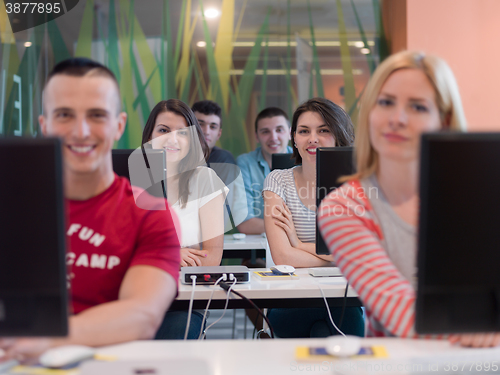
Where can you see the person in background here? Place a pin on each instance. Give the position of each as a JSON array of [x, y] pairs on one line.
[[370, 222], [208, 114], [290, 217], [123, 261], [194, 192], [272, 131]]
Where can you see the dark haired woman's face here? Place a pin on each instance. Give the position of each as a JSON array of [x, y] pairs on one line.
[[312, 132], [171, 134]]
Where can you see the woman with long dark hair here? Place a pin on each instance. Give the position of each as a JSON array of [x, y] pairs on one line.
[[194, 192]]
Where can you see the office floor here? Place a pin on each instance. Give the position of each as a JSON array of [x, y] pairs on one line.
[[223, 330]]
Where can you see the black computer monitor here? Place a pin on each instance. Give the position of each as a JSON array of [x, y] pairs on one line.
[[459, 236], [282, 161], [145, 168], [331, 164], [33, 289]]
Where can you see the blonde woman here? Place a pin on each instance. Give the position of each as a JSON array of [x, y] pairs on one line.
[[369, 223]]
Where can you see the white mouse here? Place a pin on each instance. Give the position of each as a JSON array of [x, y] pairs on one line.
[[341, 346], [239, 236], [65, 355], [283, 269]]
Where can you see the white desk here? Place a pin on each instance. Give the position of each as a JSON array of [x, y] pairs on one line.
[[277, 357], [302, 292], [251, 241], [253, 246]]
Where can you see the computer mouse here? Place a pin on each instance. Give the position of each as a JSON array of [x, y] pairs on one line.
[[239, 236], [283, 269], [341, 346], [65, 355]]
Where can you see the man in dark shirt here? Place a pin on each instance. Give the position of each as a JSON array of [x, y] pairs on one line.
[[208, 114]]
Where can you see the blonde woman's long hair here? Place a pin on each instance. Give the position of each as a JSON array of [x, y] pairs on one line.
[[447, 99]]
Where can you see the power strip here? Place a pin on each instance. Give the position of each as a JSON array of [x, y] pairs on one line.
[[208, 275]]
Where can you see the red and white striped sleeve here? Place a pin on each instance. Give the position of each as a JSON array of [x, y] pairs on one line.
[[347, 224]]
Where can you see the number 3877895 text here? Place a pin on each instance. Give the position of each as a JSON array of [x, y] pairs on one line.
[[33, 8]]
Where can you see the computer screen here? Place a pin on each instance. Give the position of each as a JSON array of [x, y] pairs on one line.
[[145, 168], [331, 164], [282, 161], [33, 286], [459, 236]]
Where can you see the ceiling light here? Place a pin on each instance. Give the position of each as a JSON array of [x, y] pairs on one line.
[[212, 13], [201, 44], [364, 51], [359, 44], [293, 72], [27, 44]]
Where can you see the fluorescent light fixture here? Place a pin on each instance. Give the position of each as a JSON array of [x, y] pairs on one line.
[[201, 44], [212, 13], [319, 43], [364, 51], [293, 72], [27, 44]]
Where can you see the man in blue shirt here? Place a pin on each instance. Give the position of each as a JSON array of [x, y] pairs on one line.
[[272, 130]]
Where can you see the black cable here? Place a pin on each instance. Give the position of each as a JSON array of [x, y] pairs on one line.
[[343, 306], [225, 286]]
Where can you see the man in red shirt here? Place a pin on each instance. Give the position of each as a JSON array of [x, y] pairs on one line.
[[123, 261]]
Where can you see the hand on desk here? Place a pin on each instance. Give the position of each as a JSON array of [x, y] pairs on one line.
[[192, 257], [476, 340], [26, 350]]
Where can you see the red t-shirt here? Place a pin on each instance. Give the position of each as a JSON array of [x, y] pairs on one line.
[[108, 234]]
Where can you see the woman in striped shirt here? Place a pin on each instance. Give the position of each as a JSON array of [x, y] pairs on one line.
[[290, 215], [369, 223]]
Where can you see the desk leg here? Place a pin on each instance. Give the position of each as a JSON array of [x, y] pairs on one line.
[[245, 318], [265, 327], [234, 323]]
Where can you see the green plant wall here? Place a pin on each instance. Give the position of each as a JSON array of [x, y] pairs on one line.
[[171, 70]]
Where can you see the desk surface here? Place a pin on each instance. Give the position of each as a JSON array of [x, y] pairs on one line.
[[305, 286], [250, 242], [301, 292], [277, 357]]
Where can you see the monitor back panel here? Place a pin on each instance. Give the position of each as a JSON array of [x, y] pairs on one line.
[[331, 164], [459, 238], [282, 161], [146, 170], [33, 290]]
